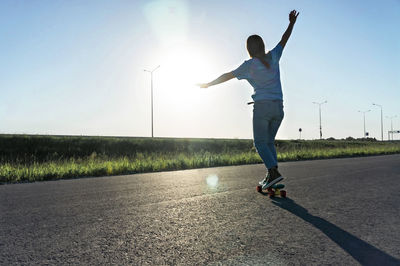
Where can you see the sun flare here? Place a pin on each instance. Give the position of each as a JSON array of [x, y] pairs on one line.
[[182, 67]]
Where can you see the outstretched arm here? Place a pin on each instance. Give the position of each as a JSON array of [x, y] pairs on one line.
[[292, 20], [220, 79]]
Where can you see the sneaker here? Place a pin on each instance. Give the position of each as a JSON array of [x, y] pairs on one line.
[[274, 178], [265, 180]]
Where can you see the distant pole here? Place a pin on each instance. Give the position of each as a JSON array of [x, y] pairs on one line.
[[365, 134], [151, 75], [381, 118], [320, 124], [391, 123], [300, 132]]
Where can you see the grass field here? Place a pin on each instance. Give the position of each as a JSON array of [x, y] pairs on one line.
[[36, 158]]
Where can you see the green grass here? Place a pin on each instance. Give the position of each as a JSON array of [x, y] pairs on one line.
[[36, 158]]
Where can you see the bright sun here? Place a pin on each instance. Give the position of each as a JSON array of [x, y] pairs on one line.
[[182, 67]]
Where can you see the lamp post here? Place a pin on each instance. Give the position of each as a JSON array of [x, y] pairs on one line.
[[320, 124], [151, 74], [381, 118], [391, 123], [365, 134]]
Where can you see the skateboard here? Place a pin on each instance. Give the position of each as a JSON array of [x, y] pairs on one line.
[[274, 190]]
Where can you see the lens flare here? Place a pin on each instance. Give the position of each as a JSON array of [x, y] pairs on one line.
[[212, 181], [168, 19]]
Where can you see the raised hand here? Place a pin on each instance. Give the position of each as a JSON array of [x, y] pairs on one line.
[[203, 85], [293, 16], [224, 77]]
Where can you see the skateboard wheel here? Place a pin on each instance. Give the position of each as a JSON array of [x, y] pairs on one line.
[[259, 188], [283, 193], [271, 192]]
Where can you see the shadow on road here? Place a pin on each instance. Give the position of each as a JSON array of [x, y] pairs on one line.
[[360, 250]]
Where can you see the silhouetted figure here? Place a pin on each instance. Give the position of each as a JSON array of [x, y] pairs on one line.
[[262, 72]]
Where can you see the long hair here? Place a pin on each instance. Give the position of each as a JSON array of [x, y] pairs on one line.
[[256, 48]]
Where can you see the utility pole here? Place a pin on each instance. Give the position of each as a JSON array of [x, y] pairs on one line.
[[365, 134], [391, 123], [320, 124], [151, 74], [381, 118]]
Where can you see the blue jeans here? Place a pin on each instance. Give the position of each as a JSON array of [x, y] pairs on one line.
[[267, 117]]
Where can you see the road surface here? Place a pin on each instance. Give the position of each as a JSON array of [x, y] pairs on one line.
[[339, 212]]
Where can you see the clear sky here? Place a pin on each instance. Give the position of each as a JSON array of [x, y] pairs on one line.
[[76, 67]]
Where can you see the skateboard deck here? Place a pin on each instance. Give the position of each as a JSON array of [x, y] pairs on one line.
[[274, 190]]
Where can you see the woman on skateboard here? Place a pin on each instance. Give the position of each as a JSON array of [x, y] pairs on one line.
[[262, 72]]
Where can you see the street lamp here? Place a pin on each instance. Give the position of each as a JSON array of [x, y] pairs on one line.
[[391, 123], [320, 125], [151, 74], [365, 134], [381, 118]]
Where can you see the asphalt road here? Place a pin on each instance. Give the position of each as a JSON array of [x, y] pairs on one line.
[[339, 212]]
